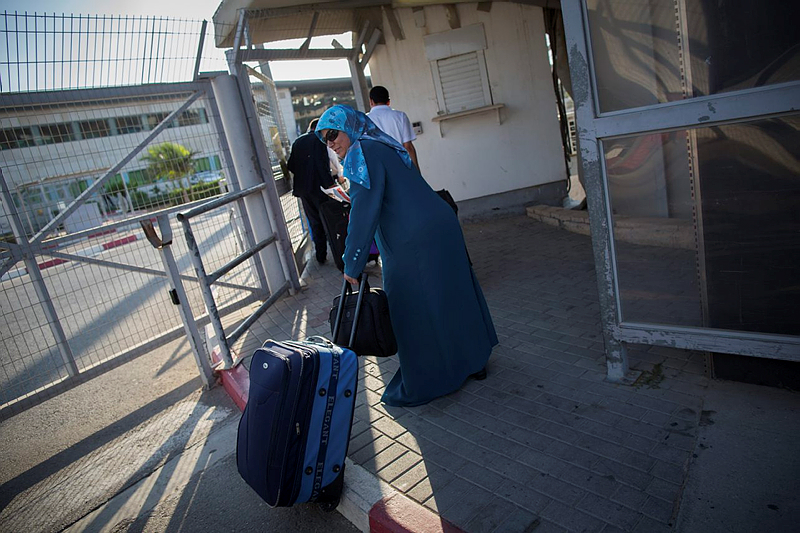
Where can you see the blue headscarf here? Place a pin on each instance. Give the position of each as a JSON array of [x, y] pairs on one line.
[[357, 126]]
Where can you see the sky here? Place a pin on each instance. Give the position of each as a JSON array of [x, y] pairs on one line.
[[180, 9]]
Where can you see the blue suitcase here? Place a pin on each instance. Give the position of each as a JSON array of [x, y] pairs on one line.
[[294, 431]]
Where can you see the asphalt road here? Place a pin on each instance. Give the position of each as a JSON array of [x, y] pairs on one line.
[[218, 500], [121, 452]]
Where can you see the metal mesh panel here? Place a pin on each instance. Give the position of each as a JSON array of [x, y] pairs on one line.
[[269, 117], [104, 310], [220, 237], [47, 51], [50, 171], [89, 289]]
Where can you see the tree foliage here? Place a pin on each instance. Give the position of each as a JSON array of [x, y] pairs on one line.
[[114, 185], [170, 160]]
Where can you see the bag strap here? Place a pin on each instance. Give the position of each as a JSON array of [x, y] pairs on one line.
[[325, 435], [362, 290], [346, 291]]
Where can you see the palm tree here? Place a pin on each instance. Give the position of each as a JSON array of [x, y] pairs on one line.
[[171, 161]]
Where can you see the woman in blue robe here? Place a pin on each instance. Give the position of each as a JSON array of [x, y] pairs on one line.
[[439, 315]]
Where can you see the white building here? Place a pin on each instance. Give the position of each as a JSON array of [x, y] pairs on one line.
[[473, 78], [486, 111], [51, 152]]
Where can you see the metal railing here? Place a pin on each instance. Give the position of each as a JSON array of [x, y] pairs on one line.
[[207, 280], [82, 293]]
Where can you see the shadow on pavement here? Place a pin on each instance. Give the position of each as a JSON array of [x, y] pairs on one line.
[[217, 499], [10, 489]]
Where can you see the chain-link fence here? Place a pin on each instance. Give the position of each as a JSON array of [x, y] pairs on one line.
[[104, 122]]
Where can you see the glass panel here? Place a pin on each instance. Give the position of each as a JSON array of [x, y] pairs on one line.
[[202, 164], [56, 133], [91, 129], [707, 225], [154, 119], [16, 138], [190, 117], [640, 48], [140, 177], [131, 124]]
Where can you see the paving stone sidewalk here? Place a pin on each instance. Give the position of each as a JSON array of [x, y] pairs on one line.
[[544, 442]]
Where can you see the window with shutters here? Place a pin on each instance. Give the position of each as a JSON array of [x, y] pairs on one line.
[[461, 82], [458, 66]]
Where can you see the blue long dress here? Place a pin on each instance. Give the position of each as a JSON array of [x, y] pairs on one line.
[[439, 315]]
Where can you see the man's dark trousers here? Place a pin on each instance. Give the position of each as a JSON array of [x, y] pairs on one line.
[[311, 203], [311, 168]]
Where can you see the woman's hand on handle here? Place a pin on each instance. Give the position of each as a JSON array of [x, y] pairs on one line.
[[352, 281]]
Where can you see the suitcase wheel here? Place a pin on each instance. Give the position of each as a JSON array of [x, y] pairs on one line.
[[329, 496], [329, 507]]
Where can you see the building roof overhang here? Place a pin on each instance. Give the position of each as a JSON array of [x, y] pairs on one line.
[[277, 20]]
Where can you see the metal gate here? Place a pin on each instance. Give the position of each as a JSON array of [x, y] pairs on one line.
[[86, 157]]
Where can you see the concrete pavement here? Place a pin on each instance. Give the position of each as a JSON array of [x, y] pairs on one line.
[[139, 448], [544, 443], [745, 469]]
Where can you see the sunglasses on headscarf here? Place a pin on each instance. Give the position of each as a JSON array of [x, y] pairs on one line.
[[330, 136]]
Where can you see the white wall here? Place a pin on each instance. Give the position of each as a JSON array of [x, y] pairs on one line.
[[92, 157], [477, 156]]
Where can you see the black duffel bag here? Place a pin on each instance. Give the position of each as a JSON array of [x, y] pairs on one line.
[[447, 197], [373, 334]]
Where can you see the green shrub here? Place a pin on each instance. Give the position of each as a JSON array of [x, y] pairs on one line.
[[142, 200], [114, 185], [205, 190], [194, 193]]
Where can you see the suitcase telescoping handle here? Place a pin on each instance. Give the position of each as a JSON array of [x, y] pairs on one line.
[[346, 290]]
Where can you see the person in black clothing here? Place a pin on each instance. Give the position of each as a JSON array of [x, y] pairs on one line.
[[311, 167]]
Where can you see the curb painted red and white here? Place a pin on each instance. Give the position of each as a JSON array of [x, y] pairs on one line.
[[398, 513], [90, 251], [235, 381], [372, 505]]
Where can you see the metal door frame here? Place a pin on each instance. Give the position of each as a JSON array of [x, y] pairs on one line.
[[593, 127]]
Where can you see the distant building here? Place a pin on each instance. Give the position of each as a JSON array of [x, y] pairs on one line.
[[310, 98], [51, 153]]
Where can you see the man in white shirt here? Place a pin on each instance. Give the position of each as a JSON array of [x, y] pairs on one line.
[[392, 122]]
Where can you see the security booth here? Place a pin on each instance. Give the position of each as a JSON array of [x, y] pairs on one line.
[[687, 132], [473, 78]]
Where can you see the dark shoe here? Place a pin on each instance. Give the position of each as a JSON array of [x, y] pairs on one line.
[[479, 376], [321, 259]]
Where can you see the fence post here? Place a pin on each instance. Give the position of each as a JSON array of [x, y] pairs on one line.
[[38, 281], [245, 161], [247, 227], [270, 195], [178, 294]]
